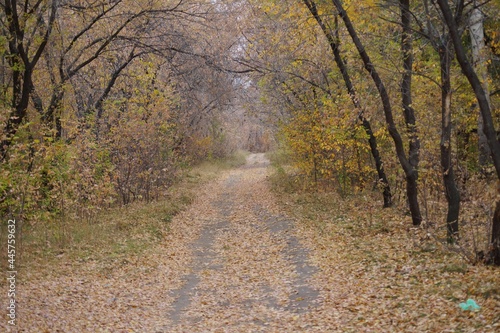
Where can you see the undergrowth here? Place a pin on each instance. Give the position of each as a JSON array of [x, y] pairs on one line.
[[111, 235]]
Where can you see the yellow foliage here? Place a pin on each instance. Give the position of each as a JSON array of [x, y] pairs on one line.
[[328, 145]]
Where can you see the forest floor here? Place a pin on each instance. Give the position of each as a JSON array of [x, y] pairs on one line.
[[241, 258]]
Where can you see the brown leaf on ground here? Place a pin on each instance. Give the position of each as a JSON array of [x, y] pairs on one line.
[[235, 261]]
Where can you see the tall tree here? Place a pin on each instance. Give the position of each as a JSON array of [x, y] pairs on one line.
[[409, 169], [441, 42], [334, 46], [476, 32], [484, 106], [90, 34], [409, 112]]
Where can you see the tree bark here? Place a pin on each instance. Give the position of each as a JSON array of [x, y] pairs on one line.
[[451, 190], [493, 257], [355, 100], [476, 32], [409, 112], [410, 172]]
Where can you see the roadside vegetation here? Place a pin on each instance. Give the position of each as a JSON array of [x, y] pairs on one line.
[[113, 235], [381, 269]]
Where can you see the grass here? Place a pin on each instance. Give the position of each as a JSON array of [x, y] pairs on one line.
[[211, 167], [112, 234]]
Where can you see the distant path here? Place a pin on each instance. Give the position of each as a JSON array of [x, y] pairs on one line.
[[248, 271]]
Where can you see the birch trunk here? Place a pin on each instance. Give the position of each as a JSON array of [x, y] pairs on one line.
[[476, 32]]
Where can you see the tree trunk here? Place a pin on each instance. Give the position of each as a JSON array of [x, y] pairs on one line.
[[493, 257], [355, 100], [410, 171], [484, 106], [386, 192], [21, 65], [409, 113], [451, 190], [476, 32], [20, 101]]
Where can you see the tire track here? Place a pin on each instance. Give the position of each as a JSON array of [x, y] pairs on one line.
[[249, 272]]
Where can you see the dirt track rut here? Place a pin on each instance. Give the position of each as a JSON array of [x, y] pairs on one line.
[[248, 270]]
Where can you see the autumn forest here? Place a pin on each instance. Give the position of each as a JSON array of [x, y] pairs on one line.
[[380, 121]]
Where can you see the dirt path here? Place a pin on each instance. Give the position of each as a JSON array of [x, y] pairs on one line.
[[249, 272], [230, 263], [234, 262]]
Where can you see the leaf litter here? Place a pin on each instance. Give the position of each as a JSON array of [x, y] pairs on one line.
[[236, 261]]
